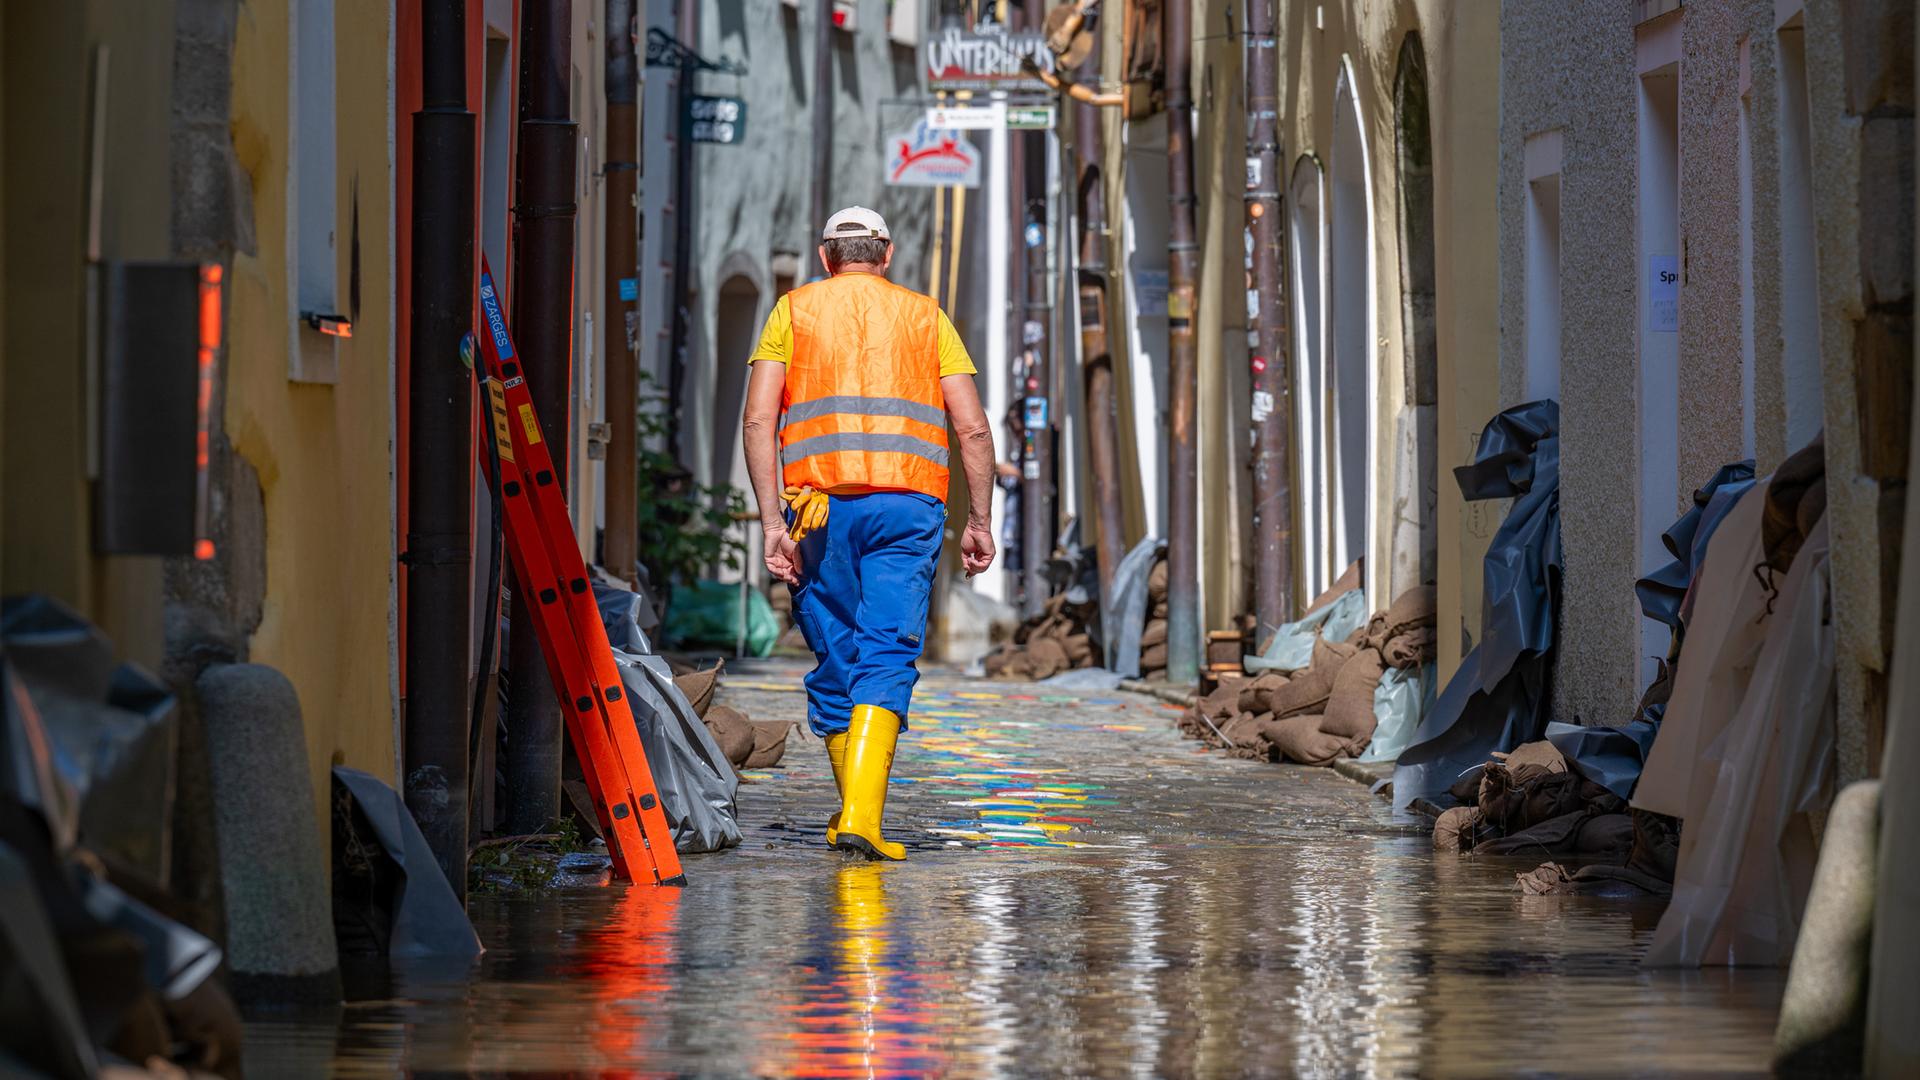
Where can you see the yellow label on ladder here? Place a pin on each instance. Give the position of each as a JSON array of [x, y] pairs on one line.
[[502, 437], [528, 421]]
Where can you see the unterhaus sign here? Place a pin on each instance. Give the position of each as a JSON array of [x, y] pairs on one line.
[[986, 57], [925, 156]]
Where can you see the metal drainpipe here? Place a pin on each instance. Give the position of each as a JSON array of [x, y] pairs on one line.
[[440, 448], [688, 27], [823, 93], [1103, 425], [1183, 504], [621, 322], [543, 212], [1271, 359]]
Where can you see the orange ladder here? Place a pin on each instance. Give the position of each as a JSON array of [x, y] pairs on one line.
[[546, 561]]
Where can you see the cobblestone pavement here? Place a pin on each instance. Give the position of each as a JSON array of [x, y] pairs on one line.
[[1085, 894]]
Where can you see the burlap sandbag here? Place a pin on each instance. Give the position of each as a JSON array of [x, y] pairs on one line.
[[1079, 649], [1154, 634], [1224, 701], [1414, 609], [1047, 657], [769, 743], [1254, 692], [733, 731], [1301, 739], [1457, 829], [1350, 705], [1152, 658], [1410, 648], [1157, 581], [1307, 691], [698, 686]]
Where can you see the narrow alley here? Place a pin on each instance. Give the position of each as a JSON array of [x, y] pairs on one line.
[[1087, 893]]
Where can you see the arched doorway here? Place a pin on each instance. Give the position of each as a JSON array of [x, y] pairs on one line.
[[1350, 332], [1416, 494], [736, 328], [1307, 256]]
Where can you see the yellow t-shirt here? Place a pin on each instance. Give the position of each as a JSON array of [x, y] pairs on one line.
[[776, 342]]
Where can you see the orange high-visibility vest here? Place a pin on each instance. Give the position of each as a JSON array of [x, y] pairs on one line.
[[864, 409]]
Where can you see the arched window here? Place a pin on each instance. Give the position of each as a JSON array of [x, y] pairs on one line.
[[1351, 320], [1308, 268]]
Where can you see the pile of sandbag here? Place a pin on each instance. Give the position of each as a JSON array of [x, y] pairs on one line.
[[1530, 802], [1325, 710], [1153, 639], [747, 743], [1059, 639]]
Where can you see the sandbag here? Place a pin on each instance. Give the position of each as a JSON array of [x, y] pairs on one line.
[[1302, 739], [769, 743], [1255, 693], [1350, 705], [733, 732], [1154, 658], [1154, 634], [1223, 701], [1307, 691], [698, 686]]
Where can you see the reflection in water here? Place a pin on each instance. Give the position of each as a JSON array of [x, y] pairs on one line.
[[1215, 920]]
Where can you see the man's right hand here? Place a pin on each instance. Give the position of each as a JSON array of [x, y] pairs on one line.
[[976, 547], [783, 556]]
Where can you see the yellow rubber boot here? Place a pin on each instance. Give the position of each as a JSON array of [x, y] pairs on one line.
[[869, 762], [837, 757]]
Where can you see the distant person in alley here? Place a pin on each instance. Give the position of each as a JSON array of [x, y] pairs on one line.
[[852, 487]]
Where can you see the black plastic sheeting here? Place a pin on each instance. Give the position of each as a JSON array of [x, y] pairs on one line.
[[1502, 694], [426, 920], [81, 957], [112, 729], [1613, 756]]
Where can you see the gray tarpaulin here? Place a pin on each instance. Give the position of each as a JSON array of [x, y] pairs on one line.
[[697, 784], [1502, 694], [1292, 646], [1130, 607], [428, 921]]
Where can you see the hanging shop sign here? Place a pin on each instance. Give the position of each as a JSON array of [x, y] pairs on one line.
[[987, 57], [1030, 118], [720, 120], [967, 117], [926, 156]]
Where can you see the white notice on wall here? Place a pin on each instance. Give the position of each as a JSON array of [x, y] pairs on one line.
[[1663, 294]]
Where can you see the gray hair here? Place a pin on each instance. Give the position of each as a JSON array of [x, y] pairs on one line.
[[843, 250]]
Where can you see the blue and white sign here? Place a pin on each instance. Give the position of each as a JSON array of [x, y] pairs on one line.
[[496, 324], [1663, 294]]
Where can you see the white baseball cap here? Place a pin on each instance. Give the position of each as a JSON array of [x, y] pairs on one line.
[[858, 223]]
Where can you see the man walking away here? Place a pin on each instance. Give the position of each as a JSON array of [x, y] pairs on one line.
[[868, 374]]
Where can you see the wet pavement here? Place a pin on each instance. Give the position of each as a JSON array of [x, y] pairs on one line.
[[1085, 894]]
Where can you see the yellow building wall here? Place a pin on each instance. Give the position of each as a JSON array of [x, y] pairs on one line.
[[324, 453]]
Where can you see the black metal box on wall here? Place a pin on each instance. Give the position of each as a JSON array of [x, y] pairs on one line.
[[146, 490]]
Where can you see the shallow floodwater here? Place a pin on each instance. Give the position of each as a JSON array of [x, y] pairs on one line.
[[1195, 916]]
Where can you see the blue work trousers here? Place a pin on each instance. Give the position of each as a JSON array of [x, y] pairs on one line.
[[862, 602]]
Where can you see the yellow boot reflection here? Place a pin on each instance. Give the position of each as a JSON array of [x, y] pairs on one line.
[[861, 913]]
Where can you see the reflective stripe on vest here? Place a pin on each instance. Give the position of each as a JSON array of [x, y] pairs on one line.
[[853, 440], [865, 406]]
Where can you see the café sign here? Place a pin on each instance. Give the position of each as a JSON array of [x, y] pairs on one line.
[[987, 57]]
